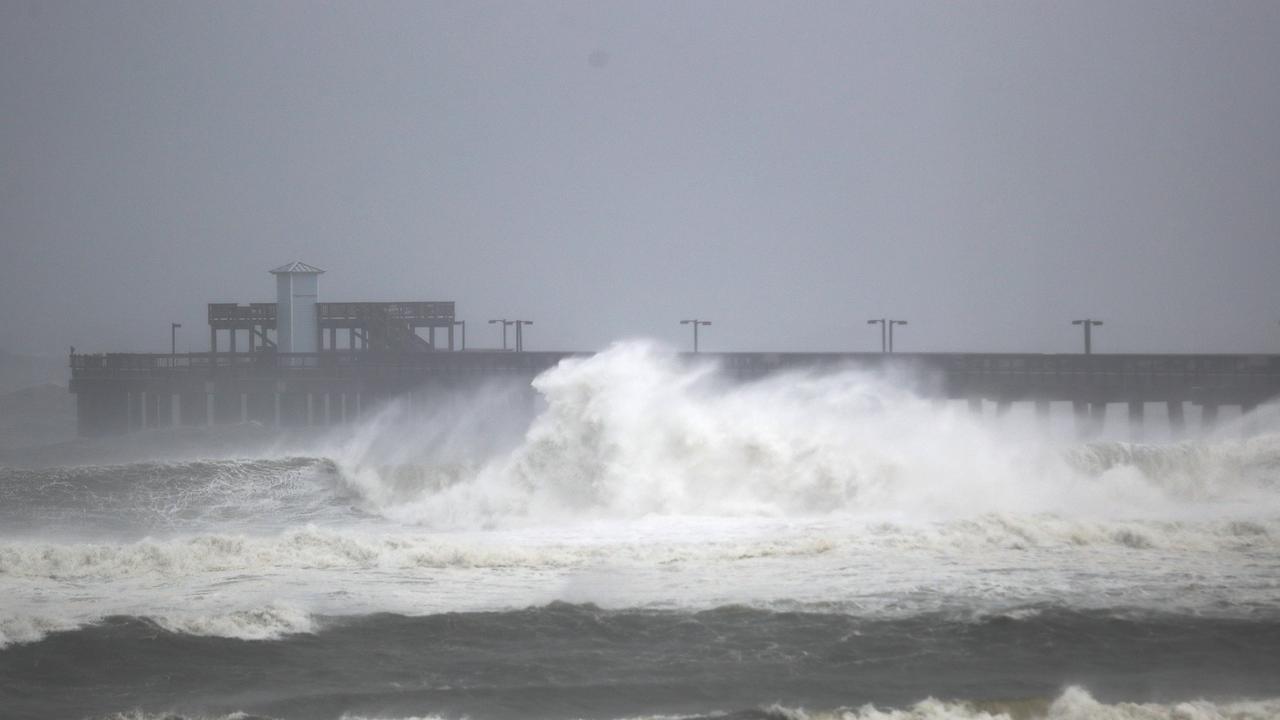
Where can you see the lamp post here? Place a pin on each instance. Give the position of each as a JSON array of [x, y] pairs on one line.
[[1088, 324], [505, 322], [520, 333], [884, 345], [695, 323], [891, 324], [462, 324], [173, 338]]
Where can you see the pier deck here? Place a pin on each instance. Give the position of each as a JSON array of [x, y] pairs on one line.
[[118, 393]]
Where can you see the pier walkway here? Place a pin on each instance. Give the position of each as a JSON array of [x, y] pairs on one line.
[[123, 392]]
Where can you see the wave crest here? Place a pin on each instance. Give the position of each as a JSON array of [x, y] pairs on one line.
[[635, 431], [1075, 703]]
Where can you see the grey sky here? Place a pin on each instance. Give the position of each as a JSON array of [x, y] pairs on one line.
[[988, 171]]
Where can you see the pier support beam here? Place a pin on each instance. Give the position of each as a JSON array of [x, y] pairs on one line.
[[1042, 415], [1208, 416], [1249, 421], [1177, 421], [975, 406], [1002, 407], [1137, 410], [1080, 410], [1097, 417]]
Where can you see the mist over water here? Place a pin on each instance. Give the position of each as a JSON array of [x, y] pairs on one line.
[[631, 501], [634, 432]]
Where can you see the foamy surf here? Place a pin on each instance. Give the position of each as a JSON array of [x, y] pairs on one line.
[[640, 543], [653, 531], [972, 566], [271, 622], [1075, 703]]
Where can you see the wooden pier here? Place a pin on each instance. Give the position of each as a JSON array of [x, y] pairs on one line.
[[119, 393]]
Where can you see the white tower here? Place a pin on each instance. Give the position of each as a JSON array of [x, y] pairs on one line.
[[297, 322]]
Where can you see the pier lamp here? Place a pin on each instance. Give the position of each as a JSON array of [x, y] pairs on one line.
[[884, 346], [891, 324], [520, 333], [695, 323], [173, 338], [1088, 324], [505, 323]]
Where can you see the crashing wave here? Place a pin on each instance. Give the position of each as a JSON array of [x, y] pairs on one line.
[[633, 432]]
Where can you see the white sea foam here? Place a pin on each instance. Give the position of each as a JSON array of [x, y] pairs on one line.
[[645, 481], [1075, 703], [17, 629], [259, 587], [272, 621], [266, 623], [633, 432], [314, 548]]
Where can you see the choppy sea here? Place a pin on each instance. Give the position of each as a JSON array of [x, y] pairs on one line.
[[651, 540]]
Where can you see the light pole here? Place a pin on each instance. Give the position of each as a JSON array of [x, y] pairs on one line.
[[505, 322], [1088, 324], [520, 333], [884, 346], [463, 325], [891, 324], [173, 338], [695, 324]]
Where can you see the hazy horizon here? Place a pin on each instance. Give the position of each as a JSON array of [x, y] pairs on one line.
[[988, 172]]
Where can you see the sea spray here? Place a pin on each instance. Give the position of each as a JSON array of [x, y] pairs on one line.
[[635, 503], [638, 431]]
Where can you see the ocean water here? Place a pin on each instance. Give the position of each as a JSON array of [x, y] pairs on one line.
[[651, 540]]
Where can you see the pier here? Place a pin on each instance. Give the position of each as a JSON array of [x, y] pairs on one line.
[[118, 393], [306, 363]]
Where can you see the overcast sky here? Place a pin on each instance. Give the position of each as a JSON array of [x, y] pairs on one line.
[[987, 171]]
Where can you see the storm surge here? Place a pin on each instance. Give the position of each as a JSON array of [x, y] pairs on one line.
[[638, 509], [636, 432]]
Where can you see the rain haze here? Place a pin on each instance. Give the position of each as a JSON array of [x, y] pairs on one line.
[[247, 474], [988, 171]]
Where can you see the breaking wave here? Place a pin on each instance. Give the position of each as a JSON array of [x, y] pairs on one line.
[[314, 548], [271, 622], [635, 432], [165, 497]]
